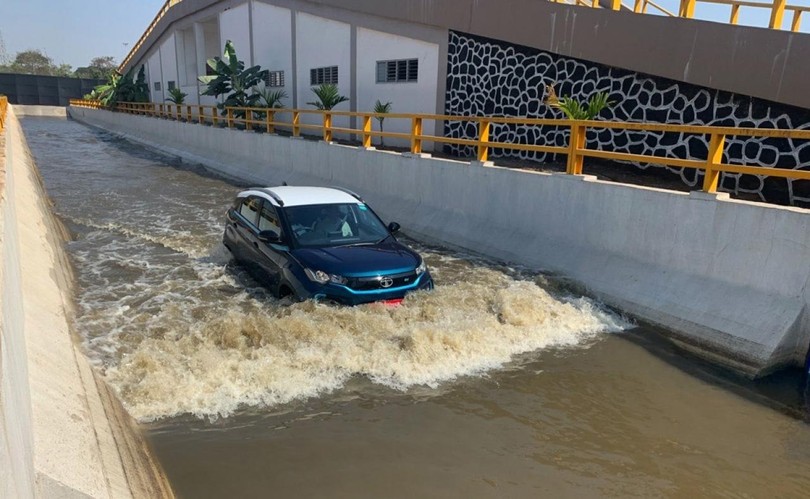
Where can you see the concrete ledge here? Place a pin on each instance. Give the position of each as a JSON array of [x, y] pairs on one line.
[[42, 111], [728, 278], [69, 436]]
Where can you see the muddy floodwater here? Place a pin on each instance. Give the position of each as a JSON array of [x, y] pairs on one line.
[[497, 384]]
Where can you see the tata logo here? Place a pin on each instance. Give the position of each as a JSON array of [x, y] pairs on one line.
[[386, 282]]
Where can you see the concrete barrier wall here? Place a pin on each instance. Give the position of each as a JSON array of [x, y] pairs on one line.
[[63, 433], [728, 278]]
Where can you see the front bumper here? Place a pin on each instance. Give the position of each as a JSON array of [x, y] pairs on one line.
[[347, 296]]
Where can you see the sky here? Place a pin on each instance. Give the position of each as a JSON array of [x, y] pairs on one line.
[[75, 31]]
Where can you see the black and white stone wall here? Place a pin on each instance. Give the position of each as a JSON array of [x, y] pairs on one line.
[[492, 78]]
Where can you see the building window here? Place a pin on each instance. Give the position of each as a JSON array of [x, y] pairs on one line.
[[157, 86], [399, 71], [171, 85], [321, 76], [274, 79]]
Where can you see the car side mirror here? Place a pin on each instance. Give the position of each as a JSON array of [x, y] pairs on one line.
[[393, 227], [269, 237]]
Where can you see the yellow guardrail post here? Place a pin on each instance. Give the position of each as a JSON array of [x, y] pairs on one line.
[[200, 115], [777, 14], [366, 130], [270, 118], [797, 21], [188, 113], [327, 127], [638, 6], [577, 142], [715, 159], [230, 118], [735, 14], [687, 9], [615, 4], [295, 122], [248, 119], [3, 106], [483, 139], [416, 135]]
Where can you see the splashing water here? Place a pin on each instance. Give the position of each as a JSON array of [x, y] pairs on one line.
[[177, 327]]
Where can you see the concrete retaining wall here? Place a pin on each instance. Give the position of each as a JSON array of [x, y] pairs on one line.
[[728, 278], [62, 432], [42, 111]]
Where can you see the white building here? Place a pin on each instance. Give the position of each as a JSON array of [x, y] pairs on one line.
[[303, 45]]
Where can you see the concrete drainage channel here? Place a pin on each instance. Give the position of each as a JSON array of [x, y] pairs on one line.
[[728, 278], [63, 433]]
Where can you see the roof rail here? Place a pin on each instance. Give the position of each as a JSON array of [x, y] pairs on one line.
[[273, 195], [350, 193]]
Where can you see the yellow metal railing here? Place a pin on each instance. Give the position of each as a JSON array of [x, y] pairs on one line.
[[686, 8], [576, 150], [3, 107]]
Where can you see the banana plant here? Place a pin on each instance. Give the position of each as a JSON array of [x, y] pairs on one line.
[[126, 88], [328, 97], [233, 81], [380, 108]]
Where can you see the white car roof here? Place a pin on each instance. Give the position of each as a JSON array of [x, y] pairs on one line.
[[301, 195]]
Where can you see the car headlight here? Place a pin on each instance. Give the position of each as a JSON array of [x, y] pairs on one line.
[[322, 277], [421, 268]]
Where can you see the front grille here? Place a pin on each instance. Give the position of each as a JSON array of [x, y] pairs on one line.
[[373, 283]]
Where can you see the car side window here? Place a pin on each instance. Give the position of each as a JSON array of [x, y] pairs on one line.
[[250, 209], [268, 219]]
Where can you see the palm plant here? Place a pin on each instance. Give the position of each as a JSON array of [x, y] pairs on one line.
[[328, 97], [380, 108], [576, 110], [232, 80], [177, 96], [271, 98]]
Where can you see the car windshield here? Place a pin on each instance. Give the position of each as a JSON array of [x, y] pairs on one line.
[[325, 225]]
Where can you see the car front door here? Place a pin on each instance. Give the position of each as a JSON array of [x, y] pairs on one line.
[[245, 222], [271, 256]]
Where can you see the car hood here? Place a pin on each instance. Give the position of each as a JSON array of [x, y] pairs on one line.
[[359, 261]]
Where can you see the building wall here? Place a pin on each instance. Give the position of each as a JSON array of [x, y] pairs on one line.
[[234, 25], [272, 45], [408, 97], [154, 72], [322, 42], [168, 64]]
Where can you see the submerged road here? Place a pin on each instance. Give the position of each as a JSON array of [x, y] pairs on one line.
[[496, 384]]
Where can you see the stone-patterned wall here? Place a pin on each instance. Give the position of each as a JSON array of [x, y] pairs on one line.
[[494, 78]]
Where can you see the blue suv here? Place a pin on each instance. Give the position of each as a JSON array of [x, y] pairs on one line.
[[321, 243]]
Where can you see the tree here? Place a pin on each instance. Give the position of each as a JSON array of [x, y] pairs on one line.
[[32, 62], [100, 68]]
